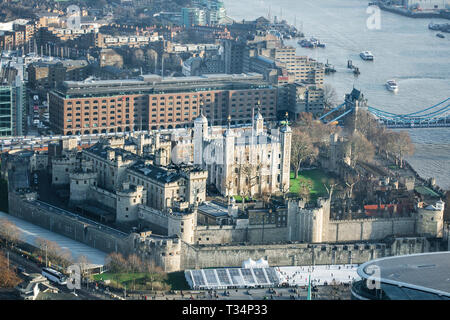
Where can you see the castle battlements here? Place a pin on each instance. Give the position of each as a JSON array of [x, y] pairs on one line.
[[371, 219]]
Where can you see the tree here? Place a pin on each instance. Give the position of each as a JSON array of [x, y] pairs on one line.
[[302, 149], [134, 263], [83, 262], [247, 169], [266, 195], [116, 263], [361, 148], [329, 97], [368, 125], [251, 174], [8, 278], [134, 266], [304, 192], [53, 252], [154, 273], [9, 232], [401, 145], [229, 185]]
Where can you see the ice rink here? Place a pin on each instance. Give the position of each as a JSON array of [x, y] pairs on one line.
[[339, 274]]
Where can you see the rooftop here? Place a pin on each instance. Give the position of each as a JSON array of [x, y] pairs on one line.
[[213, 209], [151, 83], [424, 272], [101, 150], [163, 174]]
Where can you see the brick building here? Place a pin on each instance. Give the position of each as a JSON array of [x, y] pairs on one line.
[[152, 102]]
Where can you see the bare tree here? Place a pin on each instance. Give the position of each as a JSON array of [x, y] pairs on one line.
[[154, 273], [329, 97], [134, 266], [302, 149], [361, 148], [247, 169], [9, 232], [53, 252], [83, 263], [401, 145], [251, 175], [229, 185], [368, 125], [266, 195], [116, 263], [304, 192], [8, 278]]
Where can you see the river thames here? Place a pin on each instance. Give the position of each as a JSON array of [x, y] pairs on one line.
[[404, 50]]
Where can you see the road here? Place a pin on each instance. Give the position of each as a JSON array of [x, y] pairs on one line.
[[16, 260]]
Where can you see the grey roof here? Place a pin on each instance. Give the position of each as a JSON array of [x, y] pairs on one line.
[[156, 173], [156, 84], [163, 174], [101, 150], [213, 209], [66, 63], [425, 272]]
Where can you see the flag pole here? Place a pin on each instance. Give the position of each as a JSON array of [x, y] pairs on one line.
[[308, 297]]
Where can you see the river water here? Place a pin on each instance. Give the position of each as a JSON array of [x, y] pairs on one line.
[[404, 50]]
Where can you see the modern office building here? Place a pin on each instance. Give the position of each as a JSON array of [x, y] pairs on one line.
[[421, 276], [12, 110], [193, 16], [152, 102]]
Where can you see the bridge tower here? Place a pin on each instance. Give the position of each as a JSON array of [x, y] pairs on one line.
[[354, 100]]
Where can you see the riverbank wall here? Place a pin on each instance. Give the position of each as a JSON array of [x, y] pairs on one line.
[[415, 15]]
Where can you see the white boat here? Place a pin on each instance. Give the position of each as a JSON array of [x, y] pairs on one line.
[[391, 85], [366, 55]]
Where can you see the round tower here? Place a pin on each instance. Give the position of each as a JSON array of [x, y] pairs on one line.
[[430, 220], [183, 225], [127, 202]]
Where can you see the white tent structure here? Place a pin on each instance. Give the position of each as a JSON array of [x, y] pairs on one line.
[[250, 263], [261, 263]]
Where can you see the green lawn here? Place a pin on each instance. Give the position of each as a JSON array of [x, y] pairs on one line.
[[120, 277], [175, 280], [313, 179], [239, 199]]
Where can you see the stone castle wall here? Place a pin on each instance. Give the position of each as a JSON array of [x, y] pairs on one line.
[[153, 216], [70, 227], [297, 254], [369, 229], [102, 196], [175, 254], [231, 234]]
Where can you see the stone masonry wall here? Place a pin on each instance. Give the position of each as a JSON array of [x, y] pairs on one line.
[[370, 229], [296, 254], [70, 227]]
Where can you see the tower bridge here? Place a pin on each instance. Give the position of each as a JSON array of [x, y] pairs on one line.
[[437, 115]]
